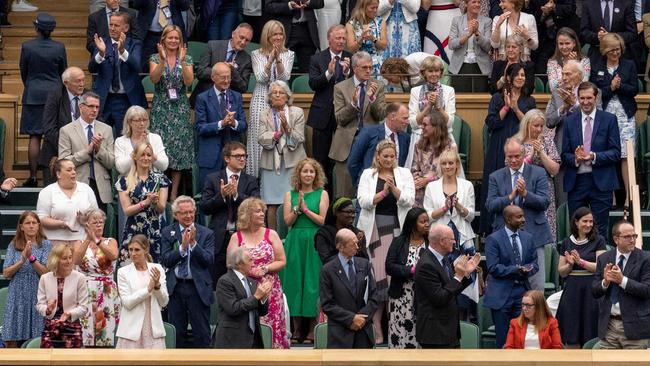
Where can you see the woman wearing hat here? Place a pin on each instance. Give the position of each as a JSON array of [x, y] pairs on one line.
[[42, 61]]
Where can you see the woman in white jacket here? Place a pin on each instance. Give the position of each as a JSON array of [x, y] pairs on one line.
[[143, 292], [385, 194]]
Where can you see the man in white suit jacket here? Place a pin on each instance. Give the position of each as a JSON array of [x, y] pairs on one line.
[[89, 144]]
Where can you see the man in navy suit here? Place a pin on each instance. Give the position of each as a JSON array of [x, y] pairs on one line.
[[511, 259], [364, 146], [622, 285], [98, 23], [220, 118], [117, 61], [187, 251], [590, 163], [526, 186], [223, 192], [600, 17]]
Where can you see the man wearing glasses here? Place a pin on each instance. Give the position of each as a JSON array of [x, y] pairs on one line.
[[622, 285], [222, 194]]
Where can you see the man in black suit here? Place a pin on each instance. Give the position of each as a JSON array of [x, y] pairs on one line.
[[240, 304], [438, 282], [98, 23], [233, 52], [605, 16], [622, 285], [300, 26], [550, 16], [223, 192], [60, 109], [326, 68], [348, 296]]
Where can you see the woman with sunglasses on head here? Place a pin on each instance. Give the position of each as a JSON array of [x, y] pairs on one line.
[[535, 328]]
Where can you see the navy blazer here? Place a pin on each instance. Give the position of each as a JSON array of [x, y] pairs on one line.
[[321, 111], [211, 139], [128, 73], [634, 300], [364, 145], [534, 205], [147, 10], [42, 61], [623, 23], [201, 259], [502, 271], [629, 83], [98, 24], [605, 142]]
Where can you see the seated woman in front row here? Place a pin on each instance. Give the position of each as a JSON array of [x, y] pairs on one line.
[[535, 328]]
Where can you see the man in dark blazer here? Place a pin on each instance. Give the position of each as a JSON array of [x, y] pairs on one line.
[[300, 26], [511, 259], [117, 62], [187, 251], [153, 16], [60, 109], [233, 52], [326, 69], [98, 23], [526, 186], [348, 296], [220, 118], [240, 304], [593, 25], [438, 282], [622, 285], [222, 194], [365, 144], [590, 167]]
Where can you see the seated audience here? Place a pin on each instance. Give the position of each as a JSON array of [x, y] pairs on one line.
[[95, 258], [136, 131], [535, 328], [402, 257], [366, 31], [567, 48], [23, 266], [348, 296], [386, 193], [59, 203], [282, 137], [305, 206], [239, 312], [577, 313], [222, 194], [514, 55], [62, 300], [267, 259], [143, 293], [469, 40], [339, 216], [514, 21]]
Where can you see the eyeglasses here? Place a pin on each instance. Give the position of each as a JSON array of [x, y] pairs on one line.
[[369, 67], [185, 213], [628, 237], [526, 305], [239, 156]]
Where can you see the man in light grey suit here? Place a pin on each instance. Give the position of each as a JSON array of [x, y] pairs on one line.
[[470, 32], [89, 144], [358, 102]]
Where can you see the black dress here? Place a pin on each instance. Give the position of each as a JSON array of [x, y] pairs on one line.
[[577, 313]]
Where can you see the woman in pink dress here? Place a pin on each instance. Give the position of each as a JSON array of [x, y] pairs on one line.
[[267, 253]]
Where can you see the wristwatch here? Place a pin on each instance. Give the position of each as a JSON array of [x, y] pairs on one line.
[[296, 210]]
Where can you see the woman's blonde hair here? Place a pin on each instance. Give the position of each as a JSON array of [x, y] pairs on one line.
[[524, 126], [54, 259], [542, 312], [144, 244], [89, 214], [167, 30], [319, 179], [431, 63], [132, 113], [359, 11], [610, 41], [245, 211], [265, 39], [132, 176], [449, 153], [381, 146]]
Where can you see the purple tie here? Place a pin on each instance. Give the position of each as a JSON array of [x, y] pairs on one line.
[[586, 138]]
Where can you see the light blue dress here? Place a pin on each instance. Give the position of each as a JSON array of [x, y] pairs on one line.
[[368, 46], [22, 321], [404, 38]]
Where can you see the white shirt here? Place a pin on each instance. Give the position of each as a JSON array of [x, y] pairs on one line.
[[532, 338], [54, 203], [582, 167], [611, 11], [388, 133], [328, 76], [84, 126]]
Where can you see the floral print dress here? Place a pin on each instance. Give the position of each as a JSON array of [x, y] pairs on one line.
[[401, 325], [263, 255], [99, 324], [368, 46], [404, 37]]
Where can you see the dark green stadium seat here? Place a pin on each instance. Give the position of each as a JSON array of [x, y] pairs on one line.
[[301, 85], [195, 50]]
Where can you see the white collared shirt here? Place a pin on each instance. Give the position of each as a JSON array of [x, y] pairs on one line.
[[328, 76], [387, 136], [611, 11]]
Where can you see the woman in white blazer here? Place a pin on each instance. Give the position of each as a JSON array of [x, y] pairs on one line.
[[136, 130], [143, 292], [385, 194], [432, 95], [514, 21]]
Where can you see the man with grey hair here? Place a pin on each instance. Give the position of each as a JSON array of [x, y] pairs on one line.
[[240, 304], [358, 103], [187, 251], [438, 282], [88, 143]]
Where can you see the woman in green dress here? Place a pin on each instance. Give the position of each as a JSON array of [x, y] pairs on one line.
[[171, 72], [305, 207]]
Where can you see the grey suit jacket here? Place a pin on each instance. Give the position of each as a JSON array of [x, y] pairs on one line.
[[346, 116], [73, 144], [216, 51], [482, 44]]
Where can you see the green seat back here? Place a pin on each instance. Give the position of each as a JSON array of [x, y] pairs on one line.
[[170, 336], [251, 83], [320, 336], [301, 85], [563, 222], [469, 335], [110, 226], [539, 85], [267, 336], [148, 85], [32, 343], [591, 344], [280, 226], [252, 46], [463, 141], [4, 292], [195, 50]]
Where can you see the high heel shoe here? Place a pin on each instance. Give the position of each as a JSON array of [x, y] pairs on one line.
[[30, 182]]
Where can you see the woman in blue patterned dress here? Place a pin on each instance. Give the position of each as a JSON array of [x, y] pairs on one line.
[[23, 266], [143, 195], [171, 72], [367, 32], [400, 17]]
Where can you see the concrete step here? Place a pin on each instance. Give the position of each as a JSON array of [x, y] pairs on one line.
[[51, 6], [12, 84], [75, 51], [28, 31], [69, 19], [9, 41]]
